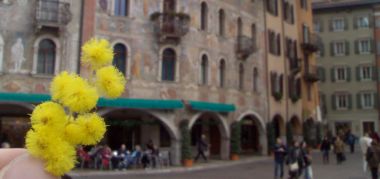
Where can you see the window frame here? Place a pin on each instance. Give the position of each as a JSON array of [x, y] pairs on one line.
[[57, 55], [344, 73], [358, 22], [176, 65], [204, 16], [336, 48], [363, 100], [334, 28], [204, 67], [344, 98], [360, 46], [127, 8]]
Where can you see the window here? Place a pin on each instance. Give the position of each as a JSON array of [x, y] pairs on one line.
[[239, 27], [222, 71], [204, 70], [317, 26], [46, 57], [338, 24], [120, 57], [364, 46], [362, 22], [241, 77], [288, 11], [306, 33], [221, 22], [304, 4], [121, 8], [367, 100], [168, 65], [253, 34], [342, 101], [339, 48], [204, 16], [340, 73], [365, 72], [255, 79], [169, 5], [272, 7]]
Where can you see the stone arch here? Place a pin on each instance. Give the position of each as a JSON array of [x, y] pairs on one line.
[[296, 125], [278, 125], [57, 54], [257, 143], [223, 131]]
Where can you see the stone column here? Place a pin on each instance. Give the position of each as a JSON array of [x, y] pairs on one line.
[[225, 148], [175, 152]]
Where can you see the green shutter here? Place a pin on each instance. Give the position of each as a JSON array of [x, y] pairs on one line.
[[345, 23], [331, 25], [348, 74], [375, 100], [323, 74], [358, 73], [371, 20], [332, 49], [374, 73], [355, 22], [356, 47], [349, 101], [358, 101], [347, 45], [332, 74], [333, 102], [322, 49], [372, 45]]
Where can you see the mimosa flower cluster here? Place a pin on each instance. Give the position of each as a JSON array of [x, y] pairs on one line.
[[58, 126]]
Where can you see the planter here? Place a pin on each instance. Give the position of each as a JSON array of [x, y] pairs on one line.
[[188, 162], [234, 157]]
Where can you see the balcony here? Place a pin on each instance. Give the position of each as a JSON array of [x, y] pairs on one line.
[[244, 47], [310, 43], [310, 74], [170, 27], [295, 65], [52, 14]]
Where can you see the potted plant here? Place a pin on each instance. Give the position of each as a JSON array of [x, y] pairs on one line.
[[187, 158], [235, 140]]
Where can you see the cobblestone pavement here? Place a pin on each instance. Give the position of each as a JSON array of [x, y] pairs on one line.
[[351, 169]]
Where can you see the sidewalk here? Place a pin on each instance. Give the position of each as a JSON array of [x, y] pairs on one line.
[[176, 169]]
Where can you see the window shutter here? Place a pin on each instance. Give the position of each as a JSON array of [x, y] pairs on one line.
[[375, 100], [345, 23], [281, 84], [370, 20], [290, 86], [331, 25], [348, 74], [372, 45], [332, 49], [321, 26], [349, 101], [356, 47], [323, 75], [292, 14], [268, 5], [355, 22], [374, 73], [358, 101], [322, 50], [278, 44], [347, 46], [275, 7], [273, 81], [332, 73], [358, 73], [333, 102]]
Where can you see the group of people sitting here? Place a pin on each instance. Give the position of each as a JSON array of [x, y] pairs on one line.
[[102, 157]]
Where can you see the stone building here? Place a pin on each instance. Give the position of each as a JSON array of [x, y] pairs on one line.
[[348, 64], [38, 39]]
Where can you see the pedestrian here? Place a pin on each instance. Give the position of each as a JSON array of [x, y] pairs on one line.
[[279, 158], [339, 150], [325, 149], [365, 142], [372, 158], [294, 158], [307, 161], [202, 147], [350, 138]]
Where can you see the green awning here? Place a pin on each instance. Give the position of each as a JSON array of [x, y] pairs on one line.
[[207, 106], [103, 102]]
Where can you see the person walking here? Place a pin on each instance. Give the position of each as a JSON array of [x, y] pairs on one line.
[[350, 138], [325, 149], [279, 158], [365, 142], [202, 147], [294, 159], [339, 150], [372, 157], [307, 161]]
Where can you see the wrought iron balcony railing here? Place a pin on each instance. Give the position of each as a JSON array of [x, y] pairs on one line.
[[245, 46], [170, 27], [311, 74], [52, 13], [310, 43]]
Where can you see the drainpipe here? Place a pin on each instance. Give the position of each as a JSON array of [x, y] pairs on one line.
[[286, 85], [266, 60], [80, 35]]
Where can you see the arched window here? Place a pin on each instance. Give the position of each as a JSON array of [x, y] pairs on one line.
[[221, 22], [46, 57], [168, 65], [204, 16], [222, 71], [169, 5], [255, 79], [253, 34], [204, 70], [121, 7], [120, 57], [241, 77], [239, 27]]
